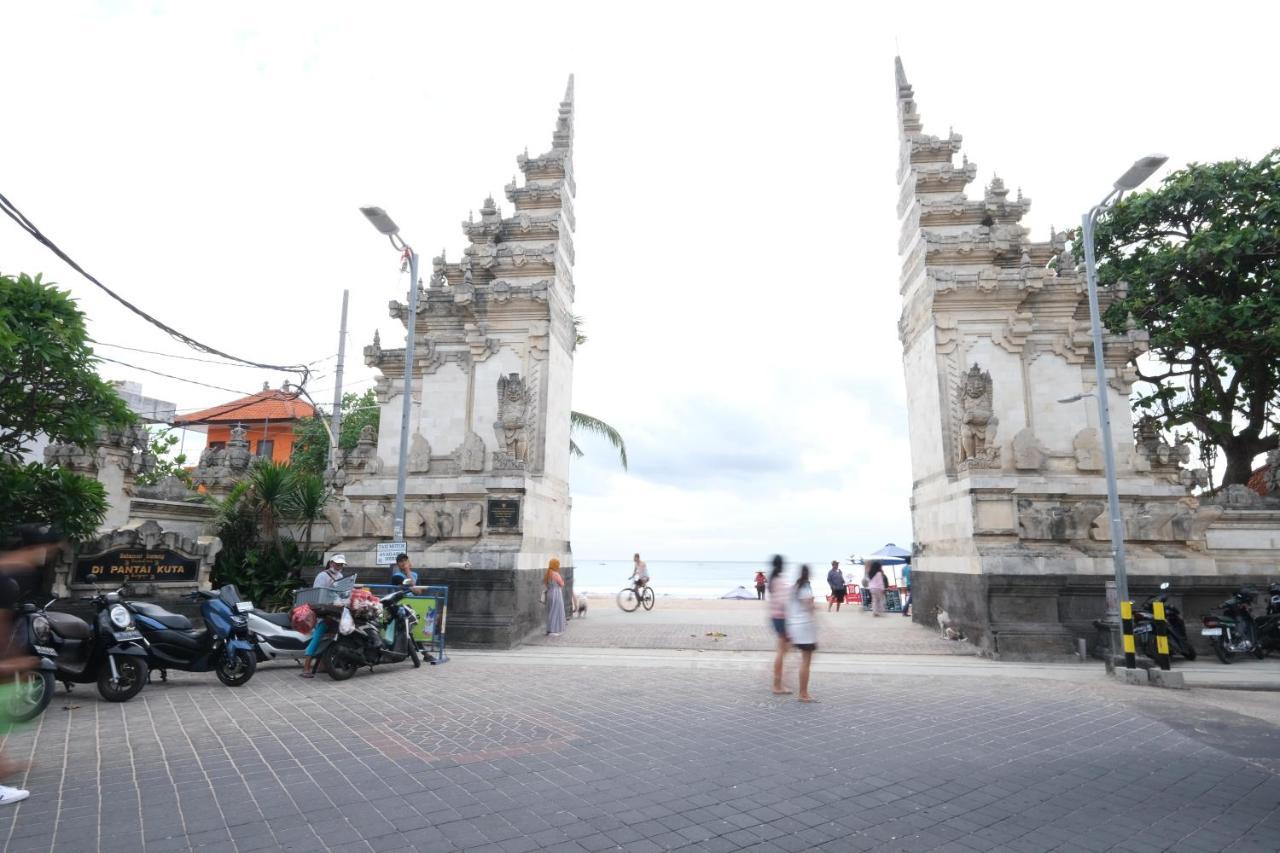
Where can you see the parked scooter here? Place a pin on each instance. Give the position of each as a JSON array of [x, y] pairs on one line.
[[1144, 626], [1233, 633], [273, 635], [109, 651], [32, 689], [1268, 626], [223, 645], [388, 640]]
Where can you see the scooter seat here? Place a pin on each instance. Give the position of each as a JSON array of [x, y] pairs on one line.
[[67, 626], [281, 619], [176, 621]]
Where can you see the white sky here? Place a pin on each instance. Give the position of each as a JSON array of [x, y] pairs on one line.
[[737, 243]]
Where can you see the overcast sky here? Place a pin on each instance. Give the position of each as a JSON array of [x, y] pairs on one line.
[[737, 242]]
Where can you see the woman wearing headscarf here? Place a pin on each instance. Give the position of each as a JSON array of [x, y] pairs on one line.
[[553, 585]]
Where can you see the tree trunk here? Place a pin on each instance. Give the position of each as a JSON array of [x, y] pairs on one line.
[[1239, 463]]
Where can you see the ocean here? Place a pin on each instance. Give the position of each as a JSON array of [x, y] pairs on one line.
[[682, 578]]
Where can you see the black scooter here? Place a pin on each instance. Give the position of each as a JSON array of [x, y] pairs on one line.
[[33, 690], [1144, 626], [368, 645], [1234, 633], [110, 651], [1268, 627]]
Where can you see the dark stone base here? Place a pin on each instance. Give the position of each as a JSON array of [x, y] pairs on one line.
[[1041, 617], [494, 608]]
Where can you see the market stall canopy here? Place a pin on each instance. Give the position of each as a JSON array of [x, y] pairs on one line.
[[740, 593]]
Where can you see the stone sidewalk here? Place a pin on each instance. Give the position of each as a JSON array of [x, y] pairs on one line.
[[718, 625], [497, 753]]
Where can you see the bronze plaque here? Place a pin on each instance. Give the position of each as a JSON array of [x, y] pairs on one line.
[[504, 514]]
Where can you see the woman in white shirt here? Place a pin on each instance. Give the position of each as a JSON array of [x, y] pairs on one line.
[[802, 632]]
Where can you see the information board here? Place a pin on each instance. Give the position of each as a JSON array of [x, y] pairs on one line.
[[388, 551], [124, 565]]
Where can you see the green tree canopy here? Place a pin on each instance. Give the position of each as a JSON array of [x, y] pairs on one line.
[[1201, 260], [48, 381], [48, 385], [311, 438]]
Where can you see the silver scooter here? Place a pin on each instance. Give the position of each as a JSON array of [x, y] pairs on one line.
[[272, 634]]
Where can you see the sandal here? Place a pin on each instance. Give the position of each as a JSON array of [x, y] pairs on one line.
[[306, 675]]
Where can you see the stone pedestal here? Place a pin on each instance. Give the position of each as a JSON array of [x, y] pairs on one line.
[[488, 460]]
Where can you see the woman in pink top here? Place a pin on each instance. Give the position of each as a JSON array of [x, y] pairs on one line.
[[778, 618], [876, 583]]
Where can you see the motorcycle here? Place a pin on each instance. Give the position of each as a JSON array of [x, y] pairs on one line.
[[1268, 627], [1176, 628], [1233, 632], [33, 689], [223, 645], [388, 640], [109, 651], [273, 636]]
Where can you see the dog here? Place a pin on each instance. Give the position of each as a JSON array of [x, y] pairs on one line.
[[580, 606], [944, 625]]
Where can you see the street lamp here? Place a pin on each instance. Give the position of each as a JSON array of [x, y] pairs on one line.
[[386, 225], [1132, 179]]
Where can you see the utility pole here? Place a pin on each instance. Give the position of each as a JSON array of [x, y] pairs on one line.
[[335, 433]]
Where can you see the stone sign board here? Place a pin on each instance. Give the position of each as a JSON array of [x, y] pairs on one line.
[[136, 565]]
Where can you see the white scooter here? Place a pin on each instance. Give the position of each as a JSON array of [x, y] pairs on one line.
[[274, 637]]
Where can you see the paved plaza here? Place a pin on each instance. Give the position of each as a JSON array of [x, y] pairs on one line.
[[557, 750]]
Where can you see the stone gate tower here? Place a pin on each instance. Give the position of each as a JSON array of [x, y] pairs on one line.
[[488, 464], [1009, 498]]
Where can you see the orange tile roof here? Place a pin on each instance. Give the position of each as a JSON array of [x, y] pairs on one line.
[[268, 405]]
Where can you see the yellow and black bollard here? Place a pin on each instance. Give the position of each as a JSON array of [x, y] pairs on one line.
[[1162, 635], [1126, 625]]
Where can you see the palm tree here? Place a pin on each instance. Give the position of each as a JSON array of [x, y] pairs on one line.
[[580, 423], [305, 503], [270, 487]]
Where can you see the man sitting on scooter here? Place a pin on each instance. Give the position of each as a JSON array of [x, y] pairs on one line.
[[329, 575]]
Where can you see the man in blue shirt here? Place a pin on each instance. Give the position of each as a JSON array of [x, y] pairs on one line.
[[404, 571], [906, 585]]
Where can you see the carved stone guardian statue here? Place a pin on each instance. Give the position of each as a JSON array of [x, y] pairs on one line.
[[978, 421], [512, 427]]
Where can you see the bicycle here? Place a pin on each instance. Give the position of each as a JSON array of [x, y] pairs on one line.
[[629, 598]]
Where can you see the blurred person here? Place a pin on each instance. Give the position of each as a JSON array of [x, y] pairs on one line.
[[761, 583], [876, 583], [778, 618], [835, 580], [802, 630], [553, 586], [906, 587], [35, 545]]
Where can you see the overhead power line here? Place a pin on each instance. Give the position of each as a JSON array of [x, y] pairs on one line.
[[26, 224], [171, 376]]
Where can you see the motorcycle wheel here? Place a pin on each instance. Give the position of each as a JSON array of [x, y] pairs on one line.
[[1149, 646], [1188, 650], [238, 670], [133, 677], [413, 653], [1258, 651], [1220, 649], [32, 692], [340, 669]]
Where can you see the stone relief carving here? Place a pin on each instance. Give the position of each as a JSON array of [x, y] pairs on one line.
[[977, 421], [1088, 450], [363, 458], [419, 454], [171, 488], [444, 523], [470, 520], [378, 519], [220, 468], [470, 454], [1028, 453], [1041, 519], [512, 426]]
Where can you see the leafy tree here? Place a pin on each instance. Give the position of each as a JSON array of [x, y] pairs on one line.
[[1201, 260], [48, 381], [311, 438], [161, 445], [48, 386]]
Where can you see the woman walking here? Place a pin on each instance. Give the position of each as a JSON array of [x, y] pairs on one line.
[[877, 583], [802, 630], [761, 583], [553, 592], [778, 618]]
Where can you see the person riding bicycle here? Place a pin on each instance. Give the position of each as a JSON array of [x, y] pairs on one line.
[[640, 575]]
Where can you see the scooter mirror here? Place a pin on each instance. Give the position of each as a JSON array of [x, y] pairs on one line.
[[407, 582], [1164, 585]]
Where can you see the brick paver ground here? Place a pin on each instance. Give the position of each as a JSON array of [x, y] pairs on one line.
[[742, 626], [486, 754]]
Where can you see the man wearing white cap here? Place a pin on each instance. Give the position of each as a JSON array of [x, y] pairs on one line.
[[327, 577]]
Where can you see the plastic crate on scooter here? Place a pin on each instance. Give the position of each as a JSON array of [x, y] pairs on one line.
[[314, 596]]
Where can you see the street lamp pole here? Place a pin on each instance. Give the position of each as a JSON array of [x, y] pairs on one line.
[[1132, 179], [387, 226]]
